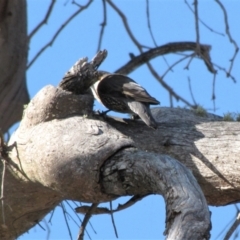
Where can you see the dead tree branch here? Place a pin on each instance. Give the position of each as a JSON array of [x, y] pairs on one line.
[[175, 47], [44, 21], [227, 29], [233, 228], [103, 25], [201, 21], [49, 44], [173, 181]]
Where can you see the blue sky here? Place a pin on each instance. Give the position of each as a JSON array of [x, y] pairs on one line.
[[171, 22]]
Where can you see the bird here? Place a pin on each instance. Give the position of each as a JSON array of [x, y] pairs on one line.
[[120, 93]]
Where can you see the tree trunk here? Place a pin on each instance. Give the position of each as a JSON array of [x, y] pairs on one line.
[[64, 151], [13, 58]]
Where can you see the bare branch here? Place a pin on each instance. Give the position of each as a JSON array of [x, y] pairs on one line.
[[227, 29], [233, 227], [149, 23], [213, 92], [203, 23], [75, 3], [191, 92], [44, 21], [112, 218], [84, 213], [125, 23], [167, 87], [2, 189], [52, 213], [58, 32], [65, 218], [205, 56], [85, 220], [170, 186], [190, 60], [103, 25], [150, 30], [80, 220], [143, 58], [165, 49], [177, 62], [67, 202], [197, 25], [100, 210], [224, 70]]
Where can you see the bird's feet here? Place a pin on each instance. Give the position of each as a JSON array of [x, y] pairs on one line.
[[102, 113]]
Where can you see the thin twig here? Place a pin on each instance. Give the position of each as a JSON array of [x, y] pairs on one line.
[[236, 206], [58, 32], [80, 220], [39, 224], [233, 227], [85, 220], [150, 30], [48, 229], [190, 60], [227, 29], [125, 23], [2, 189], [177, 62], [223, 230], [112, 218], [100, 210], [161, 50], [197, 25], [191, 92], [203, 23], [103, 25], [52, 213], [44, 21], [65, 218], [149, 23], [167, 87], [213, 92], [204, 55], [224, 70], [75, 3]]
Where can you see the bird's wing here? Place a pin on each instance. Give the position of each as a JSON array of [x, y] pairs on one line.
[[121, 86]]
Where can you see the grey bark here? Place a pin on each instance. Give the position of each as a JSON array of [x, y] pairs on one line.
[[205, 144], [66, 152], [13, 60]]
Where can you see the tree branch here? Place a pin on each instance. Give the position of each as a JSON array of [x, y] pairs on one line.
[[44, 21], [183, 197], [58, 32], [227, 29], [103, 25], [203, 23], [64, 160], [162, 50]]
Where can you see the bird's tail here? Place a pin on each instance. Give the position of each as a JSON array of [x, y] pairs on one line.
[[144, 112]]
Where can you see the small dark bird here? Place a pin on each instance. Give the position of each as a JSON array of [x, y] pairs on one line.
[[121, 94]]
